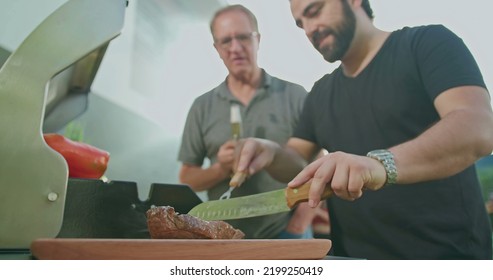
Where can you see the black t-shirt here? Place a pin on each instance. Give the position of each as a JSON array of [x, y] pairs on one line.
[[388, 103]]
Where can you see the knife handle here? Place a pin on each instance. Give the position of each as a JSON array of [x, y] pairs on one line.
[[294, 196]]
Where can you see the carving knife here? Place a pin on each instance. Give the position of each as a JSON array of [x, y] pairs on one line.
[[261, 204]]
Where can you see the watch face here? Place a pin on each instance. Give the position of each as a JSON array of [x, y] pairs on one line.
[[381, 153]]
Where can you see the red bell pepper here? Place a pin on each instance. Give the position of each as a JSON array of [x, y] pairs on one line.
[[83, 160]]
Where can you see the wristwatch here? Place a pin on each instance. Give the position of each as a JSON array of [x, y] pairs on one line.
[[387, 159]]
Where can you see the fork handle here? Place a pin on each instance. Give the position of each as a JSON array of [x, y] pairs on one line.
[[238, 179]]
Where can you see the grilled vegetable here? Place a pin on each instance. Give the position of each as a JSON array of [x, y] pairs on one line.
[[83, 160]]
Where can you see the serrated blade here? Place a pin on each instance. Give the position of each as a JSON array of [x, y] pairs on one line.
[[242, 207]]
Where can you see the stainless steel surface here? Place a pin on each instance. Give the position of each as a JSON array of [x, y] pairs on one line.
[[67, 91], [227, 194], [242, 207], [30, 172]]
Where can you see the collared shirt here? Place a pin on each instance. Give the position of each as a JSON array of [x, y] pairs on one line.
[[272, 114]]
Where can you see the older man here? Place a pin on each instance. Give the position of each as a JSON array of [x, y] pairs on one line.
[[269, 109]]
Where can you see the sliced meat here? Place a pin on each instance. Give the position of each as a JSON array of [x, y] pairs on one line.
[[164, 223]]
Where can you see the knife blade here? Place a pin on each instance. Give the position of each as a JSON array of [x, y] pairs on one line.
[[261, 204]]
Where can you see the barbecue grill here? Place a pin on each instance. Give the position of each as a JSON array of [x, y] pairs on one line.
[[44, 85], [44, 214]]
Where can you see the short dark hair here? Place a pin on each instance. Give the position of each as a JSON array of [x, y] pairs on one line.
[[241, 8]]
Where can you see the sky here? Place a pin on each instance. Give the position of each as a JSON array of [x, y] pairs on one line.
[[284, 47], [284, 52]]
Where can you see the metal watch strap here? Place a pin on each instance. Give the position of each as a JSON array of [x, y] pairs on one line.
[[387, 159]]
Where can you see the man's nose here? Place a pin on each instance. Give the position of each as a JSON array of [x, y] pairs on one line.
[[235, 44]]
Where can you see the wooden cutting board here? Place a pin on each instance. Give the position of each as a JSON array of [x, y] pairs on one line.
[[179, 249]]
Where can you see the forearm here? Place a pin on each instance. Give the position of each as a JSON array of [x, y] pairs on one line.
[[286, 164], [282, 163], [289, 160], [448, 147], [302, 218], [201, 179]]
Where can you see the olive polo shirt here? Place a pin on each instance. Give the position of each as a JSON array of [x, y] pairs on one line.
[[272, 114]]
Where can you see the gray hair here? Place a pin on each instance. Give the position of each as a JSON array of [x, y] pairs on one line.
[[241, 8]]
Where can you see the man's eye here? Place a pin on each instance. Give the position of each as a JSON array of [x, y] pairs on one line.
[[314, 10], [243, 37], [226, 40]]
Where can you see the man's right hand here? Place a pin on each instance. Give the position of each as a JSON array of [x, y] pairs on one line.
[[347, 175], [255, 154]]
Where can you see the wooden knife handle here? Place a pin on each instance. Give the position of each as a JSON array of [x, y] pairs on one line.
[[300, 194]]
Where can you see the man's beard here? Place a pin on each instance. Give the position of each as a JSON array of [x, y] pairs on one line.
[[343, 36]]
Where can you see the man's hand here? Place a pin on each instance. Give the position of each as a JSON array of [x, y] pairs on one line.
[[255, 154], [347, 174], [226, 156]]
